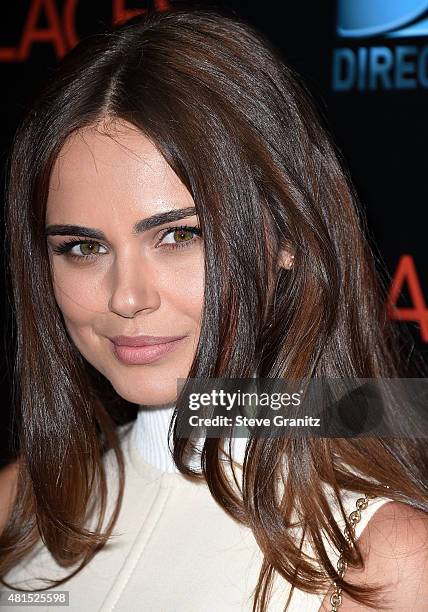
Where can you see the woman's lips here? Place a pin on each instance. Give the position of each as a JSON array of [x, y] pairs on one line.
[[137, 355]]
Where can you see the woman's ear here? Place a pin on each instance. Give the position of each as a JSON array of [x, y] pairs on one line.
[[286, 259]]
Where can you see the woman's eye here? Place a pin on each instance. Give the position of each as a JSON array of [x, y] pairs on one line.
[[80, 249], [177, 237], [87, 248]]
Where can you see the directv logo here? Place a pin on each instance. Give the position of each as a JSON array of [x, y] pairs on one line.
[[394, 66]]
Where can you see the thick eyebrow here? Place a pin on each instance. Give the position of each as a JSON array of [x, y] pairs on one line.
[[139, 227]]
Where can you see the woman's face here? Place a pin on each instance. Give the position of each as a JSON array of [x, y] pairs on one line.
[[120, 266]]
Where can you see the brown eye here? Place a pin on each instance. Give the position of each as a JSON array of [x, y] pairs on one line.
[[175, 237], [80, 249], [89, 248], [181, 234]]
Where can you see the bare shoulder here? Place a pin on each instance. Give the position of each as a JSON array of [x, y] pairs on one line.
[[8, 477], [394, 545]]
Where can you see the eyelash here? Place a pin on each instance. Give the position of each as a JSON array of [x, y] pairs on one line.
[[65, 247]]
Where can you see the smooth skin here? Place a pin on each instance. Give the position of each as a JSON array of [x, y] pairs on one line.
[[132, 283], [394, 545], [110, 178]]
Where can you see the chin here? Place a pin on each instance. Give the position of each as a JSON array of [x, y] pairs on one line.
[[154, 393]]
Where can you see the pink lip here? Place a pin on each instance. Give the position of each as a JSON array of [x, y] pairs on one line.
[[143, 340], [134, 350]]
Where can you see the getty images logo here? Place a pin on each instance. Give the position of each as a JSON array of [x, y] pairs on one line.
[[368, 67]]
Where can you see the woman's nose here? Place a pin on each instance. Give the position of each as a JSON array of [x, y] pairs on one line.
[[133, 287]]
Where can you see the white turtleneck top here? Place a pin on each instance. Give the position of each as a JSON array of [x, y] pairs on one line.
[[173, 549], [151, 437]]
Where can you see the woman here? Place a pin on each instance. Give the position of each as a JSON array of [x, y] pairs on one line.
[[173, 181]]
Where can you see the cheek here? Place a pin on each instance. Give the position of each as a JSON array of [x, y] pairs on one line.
[[80, 322], [183, 286], [80, 305], [79, 293]]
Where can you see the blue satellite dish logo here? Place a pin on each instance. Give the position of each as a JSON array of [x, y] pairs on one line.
[[389, 18], [392, 64]]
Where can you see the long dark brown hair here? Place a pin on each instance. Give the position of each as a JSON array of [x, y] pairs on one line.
[[239, 129]]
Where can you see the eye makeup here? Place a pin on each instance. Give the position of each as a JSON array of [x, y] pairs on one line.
[[66, 247]]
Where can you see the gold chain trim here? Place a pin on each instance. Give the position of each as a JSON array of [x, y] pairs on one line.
[[354, 518]]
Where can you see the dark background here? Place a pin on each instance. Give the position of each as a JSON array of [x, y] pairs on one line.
[[381, 133]]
